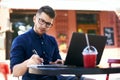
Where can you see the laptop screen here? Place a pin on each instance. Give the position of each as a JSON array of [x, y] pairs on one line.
[[78, 43]]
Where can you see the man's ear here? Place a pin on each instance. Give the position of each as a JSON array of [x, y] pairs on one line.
[[34, 18]]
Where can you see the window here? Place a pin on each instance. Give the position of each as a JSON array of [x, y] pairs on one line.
[[87, 18]]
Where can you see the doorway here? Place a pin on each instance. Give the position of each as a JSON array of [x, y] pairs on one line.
[[87, 22]]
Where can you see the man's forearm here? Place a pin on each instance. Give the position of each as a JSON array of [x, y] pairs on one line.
[[20, 69]]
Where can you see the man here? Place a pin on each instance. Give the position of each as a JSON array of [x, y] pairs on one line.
[[44, 45]]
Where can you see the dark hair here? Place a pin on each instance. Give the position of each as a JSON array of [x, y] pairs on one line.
[[48, 10]]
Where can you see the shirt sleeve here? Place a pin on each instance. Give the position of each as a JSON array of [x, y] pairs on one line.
[[56, 51], [17, 52]]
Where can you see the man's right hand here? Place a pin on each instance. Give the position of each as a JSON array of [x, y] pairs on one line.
[[34, 59]]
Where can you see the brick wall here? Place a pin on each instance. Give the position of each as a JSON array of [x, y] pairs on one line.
[[118, 29]]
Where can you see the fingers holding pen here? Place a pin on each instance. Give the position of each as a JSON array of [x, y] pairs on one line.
[[35, 59], [35, 52]]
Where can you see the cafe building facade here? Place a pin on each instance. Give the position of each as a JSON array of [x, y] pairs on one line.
[[105, 23], [68, 21]]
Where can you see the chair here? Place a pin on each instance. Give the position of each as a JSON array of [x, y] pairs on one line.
[[110, 62], [4, 69]]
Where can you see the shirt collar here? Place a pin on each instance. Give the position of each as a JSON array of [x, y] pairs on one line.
[[36, 35]]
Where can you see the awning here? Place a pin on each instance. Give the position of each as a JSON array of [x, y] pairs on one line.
[[108, 5]]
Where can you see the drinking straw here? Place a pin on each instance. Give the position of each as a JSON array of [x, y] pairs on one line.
[[87, 40]]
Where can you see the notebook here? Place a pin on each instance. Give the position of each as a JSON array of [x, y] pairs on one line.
[[77, 44]]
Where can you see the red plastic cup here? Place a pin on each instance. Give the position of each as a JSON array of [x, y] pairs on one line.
[[89, 60], [89, 57]]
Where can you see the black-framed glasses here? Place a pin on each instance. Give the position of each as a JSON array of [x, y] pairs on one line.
[[41, 21]]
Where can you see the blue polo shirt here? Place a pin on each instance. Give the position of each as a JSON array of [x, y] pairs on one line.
[[22, 47]]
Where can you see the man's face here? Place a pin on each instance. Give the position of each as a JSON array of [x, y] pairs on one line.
[[42, 23]]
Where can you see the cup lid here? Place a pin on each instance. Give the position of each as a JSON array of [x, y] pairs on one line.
[[90, 50]]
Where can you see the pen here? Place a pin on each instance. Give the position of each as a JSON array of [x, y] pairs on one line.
[[34, 51]]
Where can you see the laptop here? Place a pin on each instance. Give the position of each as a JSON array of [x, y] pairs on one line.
[[78, 43]]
